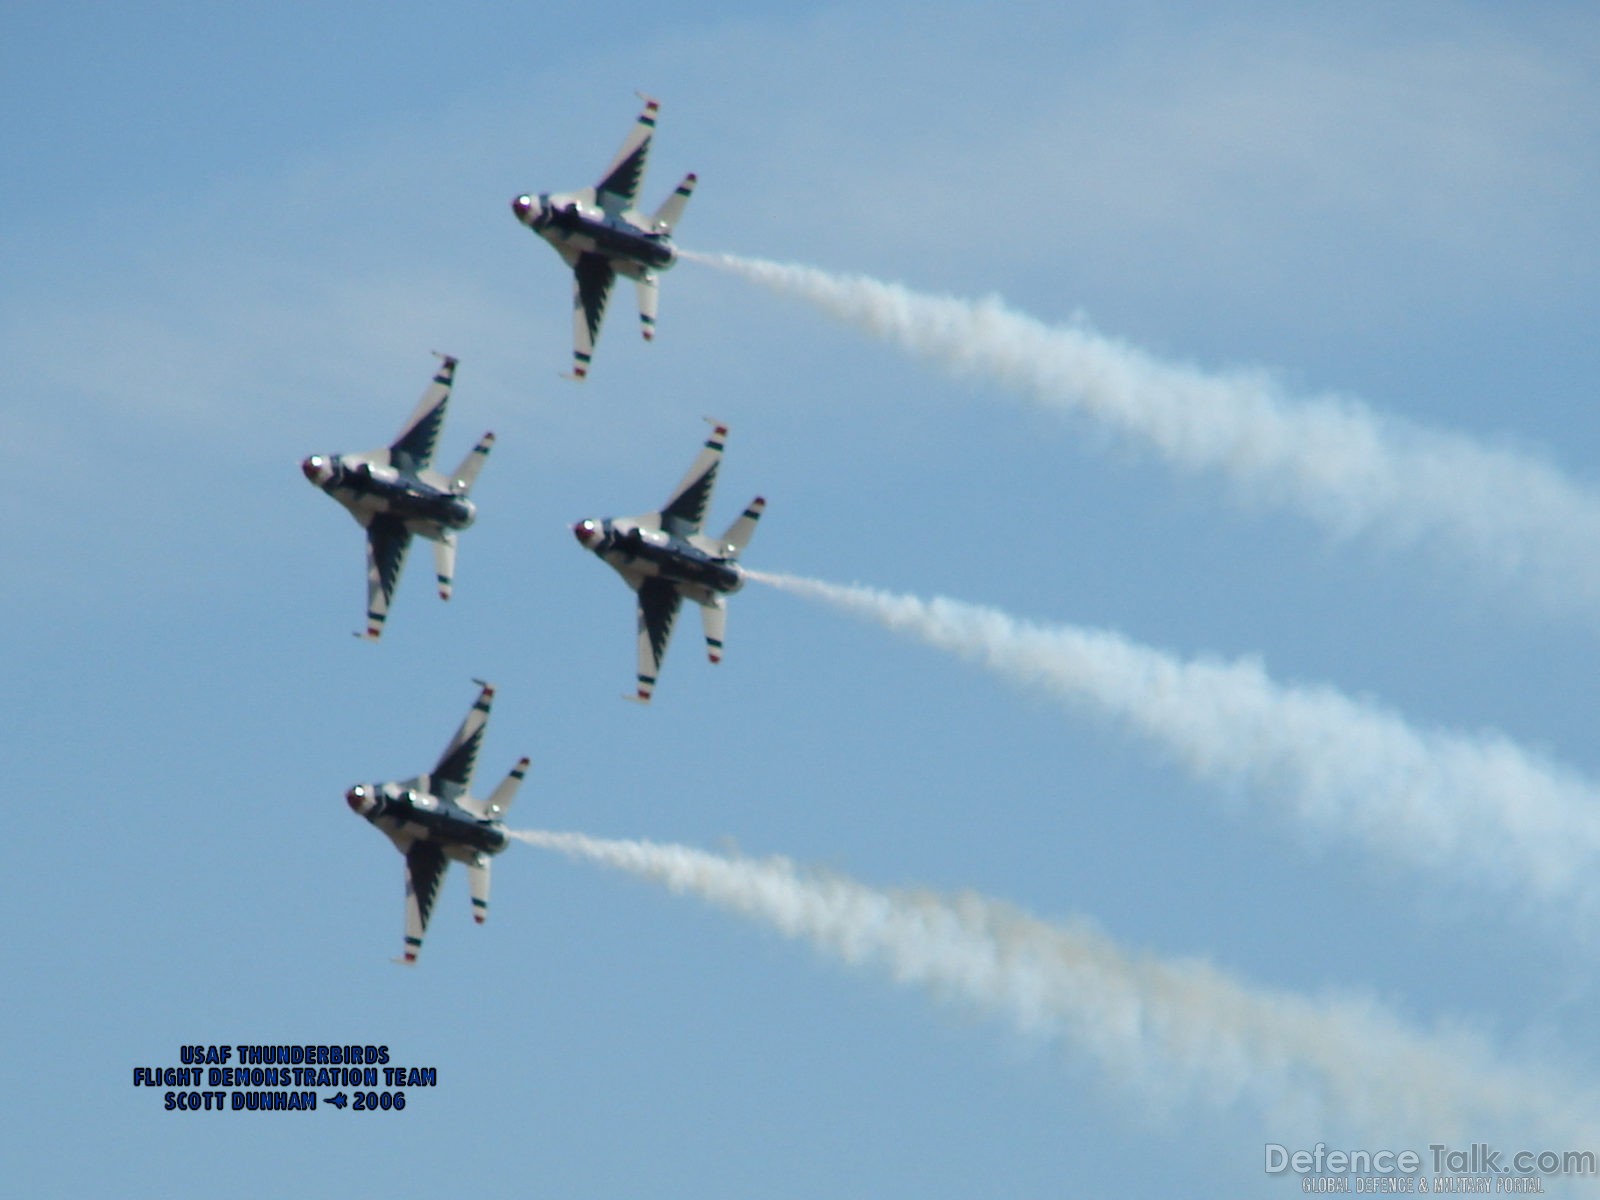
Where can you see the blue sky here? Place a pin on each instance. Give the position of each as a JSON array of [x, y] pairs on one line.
[[233, 239]]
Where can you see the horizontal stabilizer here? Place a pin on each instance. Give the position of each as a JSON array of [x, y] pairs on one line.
[[444, 563], [464, 476], [671, 211], [478, 879], [500, 799], [649, 300], [738, 534], [715, 619]]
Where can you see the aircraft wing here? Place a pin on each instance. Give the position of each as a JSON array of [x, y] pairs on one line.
[[683, 512], [592, 277], [619, 188], [425, 867], [412, 448], [453, 776], [387, 542], [658, 608]]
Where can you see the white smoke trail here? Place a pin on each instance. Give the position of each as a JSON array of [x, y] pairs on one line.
[[1478, 806], [1161, 1031], [1513, 515]]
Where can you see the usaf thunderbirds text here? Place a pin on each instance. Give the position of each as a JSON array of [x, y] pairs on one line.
[[284, 1078]]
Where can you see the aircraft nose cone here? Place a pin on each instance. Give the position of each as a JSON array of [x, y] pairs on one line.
[[358, 800], [317, 469], [520, 206], [587, 533]]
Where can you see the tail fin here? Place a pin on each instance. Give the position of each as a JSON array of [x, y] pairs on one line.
[[500, 799], [733, 542], [671, 210], [464, 476]]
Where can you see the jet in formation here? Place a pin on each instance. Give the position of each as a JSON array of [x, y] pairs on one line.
[[432, 819], [663, 557], [600, 234], [393, 493]]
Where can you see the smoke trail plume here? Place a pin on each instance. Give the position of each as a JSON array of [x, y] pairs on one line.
[[1162, 1031], [1464, 804], [1514, 516]]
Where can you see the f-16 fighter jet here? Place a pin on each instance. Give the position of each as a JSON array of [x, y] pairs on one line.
[[600, 235], [663, 556], [393, 494], [431, 819]]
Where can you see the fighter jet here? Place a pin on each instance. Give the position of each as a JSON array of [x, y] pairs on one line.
[[663, 557], [393, 494], [431, 819], [600, 234]]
